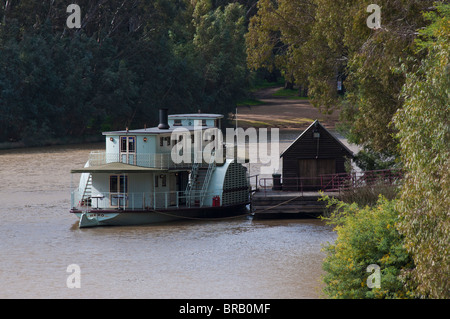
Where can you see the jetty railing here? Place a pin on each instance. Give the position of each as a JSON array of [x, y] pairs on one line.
[[333, 182], [251, 184]]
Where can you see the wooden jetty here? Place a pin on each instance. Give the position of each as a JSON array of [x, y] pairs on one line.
[[277, 204], [271, 200], [314, 161]]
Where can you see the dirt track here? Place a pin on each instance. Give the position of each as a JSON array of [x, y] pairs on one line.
[[282, 112]]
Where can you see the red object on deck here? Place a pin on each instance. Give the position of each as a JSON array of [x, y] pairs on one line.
[[216, 201]]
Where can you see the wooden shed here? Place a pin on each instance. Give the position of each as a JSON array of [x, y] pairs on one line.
[[315, 153]]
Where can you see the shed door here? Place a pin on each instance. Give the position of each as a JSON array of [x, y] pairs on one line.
[[311, 169]]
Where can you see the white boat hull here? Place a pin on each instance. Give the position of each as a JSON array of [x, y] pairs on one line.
[[91, 219], [128, 218]]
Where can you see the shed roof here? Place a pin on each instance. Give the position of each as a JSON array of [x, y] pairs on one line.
[[310, 129]]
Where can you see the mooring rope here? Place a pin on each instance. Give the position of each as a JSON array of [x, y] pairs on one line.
[[201, 218]]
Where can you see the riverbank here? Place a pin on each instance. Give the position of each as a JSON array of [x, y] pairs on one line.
[[283, 112], [52, 142], [267, 109]]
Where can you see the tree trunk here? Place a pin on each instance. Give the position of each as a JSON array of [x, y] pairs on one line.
[[288, 85], [7, 6]]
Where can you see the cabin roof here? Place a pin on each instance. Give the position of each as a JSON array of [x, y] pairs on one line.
[[195, 115], [154, 130], [309, 129]]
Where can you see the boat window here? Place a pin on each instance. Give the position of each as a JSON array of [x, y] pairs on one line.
[[161, 141], [118, 184], [163, 180], [123, 184], [127, 144], [177, 123], [123, 144], [113, 184], [156, 180], [131, 144]]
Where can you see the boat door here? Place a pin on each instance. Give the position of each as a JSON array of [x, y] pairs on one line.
[[128, 149], [182, 179]]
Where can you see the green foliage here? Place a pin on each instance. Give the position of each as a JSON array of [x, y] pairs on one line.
[[369, 194], [365, 236], [373, 86], [313, 42], [127, 60], [275, 37], [368, 160], [424, 135], [219, 49], [396, 106]]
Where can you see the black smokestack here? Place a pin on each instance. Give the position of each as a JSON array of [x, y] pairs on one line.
[[163, 119]]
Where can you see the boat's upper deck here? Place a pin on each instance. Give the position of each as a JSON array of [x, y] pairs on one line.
[[178, 141]]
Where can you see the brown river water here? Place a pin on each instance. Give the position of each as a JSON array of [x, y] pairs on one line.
[[235, 258]]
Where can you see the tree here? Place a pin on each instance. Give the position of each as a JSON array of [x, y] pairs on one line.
[[277, 37], [365, 236], [424, 135], [314, 42], [219, 51], [128, 59]]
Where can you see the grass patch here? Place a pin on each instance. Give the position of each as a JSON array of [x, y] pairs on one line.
[[252, 123], [369, 195], [290, 94], [264, 84], [280, 123]]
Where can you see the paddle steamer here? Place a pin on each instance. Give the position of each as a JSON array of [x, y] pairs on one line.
[[176, 170]]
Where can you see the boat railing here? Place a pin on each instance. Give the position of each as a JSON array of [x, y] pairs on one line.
[[144, 200], [151, 160]]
